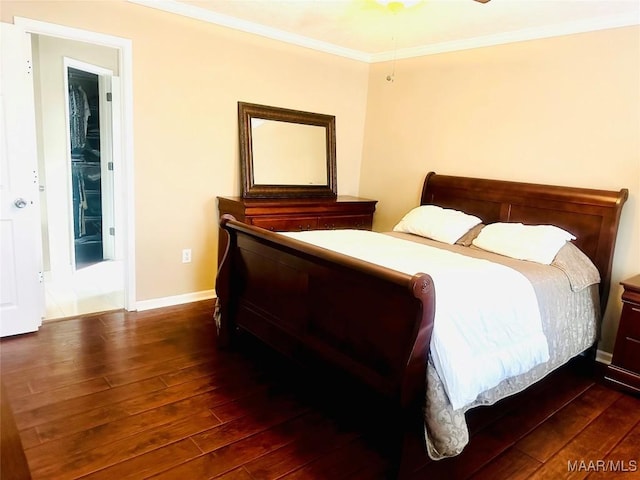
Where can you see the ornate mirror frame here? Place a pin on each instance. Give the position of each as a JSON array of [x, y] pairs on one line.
[[247, 114]]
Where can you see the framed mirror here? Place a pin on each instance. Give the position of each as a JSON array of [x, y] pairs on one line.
[[286, 153]]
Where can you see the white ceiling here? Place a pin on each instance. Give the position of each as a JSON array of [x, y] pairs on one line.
[[368, 31]]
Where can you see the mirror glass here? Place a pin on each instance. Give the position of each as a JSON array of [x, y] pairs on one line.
[[275, 144], [286, 153]]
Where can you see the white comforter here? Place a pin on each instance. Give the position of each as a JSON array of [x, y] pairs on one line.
[[487, 322]]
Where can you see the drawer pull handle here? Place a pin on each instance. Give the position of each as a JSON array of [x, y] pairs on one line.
[[635, 309]]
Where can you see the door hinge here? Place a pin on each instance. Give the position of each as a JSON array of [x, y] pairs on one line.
[[109, 97], [40, 277], [29, 67], [112, 231], [110, 165]]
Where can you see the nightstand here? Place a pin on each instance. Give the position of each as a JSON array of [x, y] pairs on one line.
[[624, 370]]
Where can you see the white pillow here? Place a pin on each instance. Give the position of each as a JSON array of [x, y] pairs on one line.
[[537, 243], [442, 224]]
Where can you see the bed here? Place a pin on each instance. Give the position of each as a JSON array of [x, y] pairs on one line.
[[375, 323]]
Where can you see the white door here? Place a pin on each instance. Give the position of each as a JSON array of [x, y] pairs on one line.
[[106, 165], [116, 245], [21, 289]]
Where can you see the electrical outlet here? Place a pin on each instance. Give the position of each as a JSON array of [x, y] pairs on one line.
[[186, 255]]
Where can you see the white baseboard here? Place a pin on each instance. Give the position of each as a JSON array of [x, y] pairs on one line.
[[175, 300], [603, 357]]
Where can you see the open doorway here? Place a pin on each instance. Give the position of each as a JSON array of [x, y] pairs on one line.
[[90, 147], [83, 268], [86, 191], [37, 138]]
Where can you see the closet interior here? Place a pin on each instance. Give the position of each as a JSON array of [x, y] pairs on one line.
[[84, 125]]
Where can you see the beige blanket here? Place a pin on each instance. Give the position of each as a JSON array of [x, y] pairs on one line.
[[568, 300]]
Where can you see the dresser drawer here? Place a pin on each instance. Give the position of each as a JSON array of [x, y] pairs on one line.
[[628, 354], [631, 316], [361, 222], [627, 351], [286, 224]]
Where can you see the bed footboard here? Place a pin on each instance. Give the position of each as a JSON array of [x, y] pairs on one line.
[[318, 306]]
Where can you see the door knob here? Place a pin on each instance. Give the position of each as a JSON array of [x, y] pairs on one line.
[[20, 202]]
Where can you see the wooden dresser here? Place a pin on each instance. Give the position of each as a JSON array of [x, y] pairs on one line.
[[624, 370], [292, 214]]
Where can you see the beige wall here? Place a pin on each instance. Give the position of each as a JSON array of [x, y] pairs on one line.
[[564, 110], [188, 77]]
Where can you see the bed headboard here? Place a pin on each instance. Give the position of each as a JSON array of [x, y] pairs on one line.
[[592, 216]]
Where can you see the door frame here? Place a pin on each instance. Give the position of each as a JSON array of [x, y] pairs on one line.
[[123, 169]]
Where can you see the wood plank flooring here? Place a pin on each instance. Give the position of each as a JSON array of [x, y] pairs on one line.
[[124, 395]]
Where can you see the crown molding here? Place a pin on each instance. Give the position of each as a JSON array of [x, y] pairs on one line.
[[566, 28], [205, 15]]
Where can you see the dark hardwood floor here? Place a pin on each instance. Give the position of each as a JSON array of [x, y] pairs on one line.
[[137, 395]]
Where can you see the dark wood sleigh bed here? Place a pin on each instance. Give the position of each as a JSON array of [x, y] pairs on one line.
[[372, 323]]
